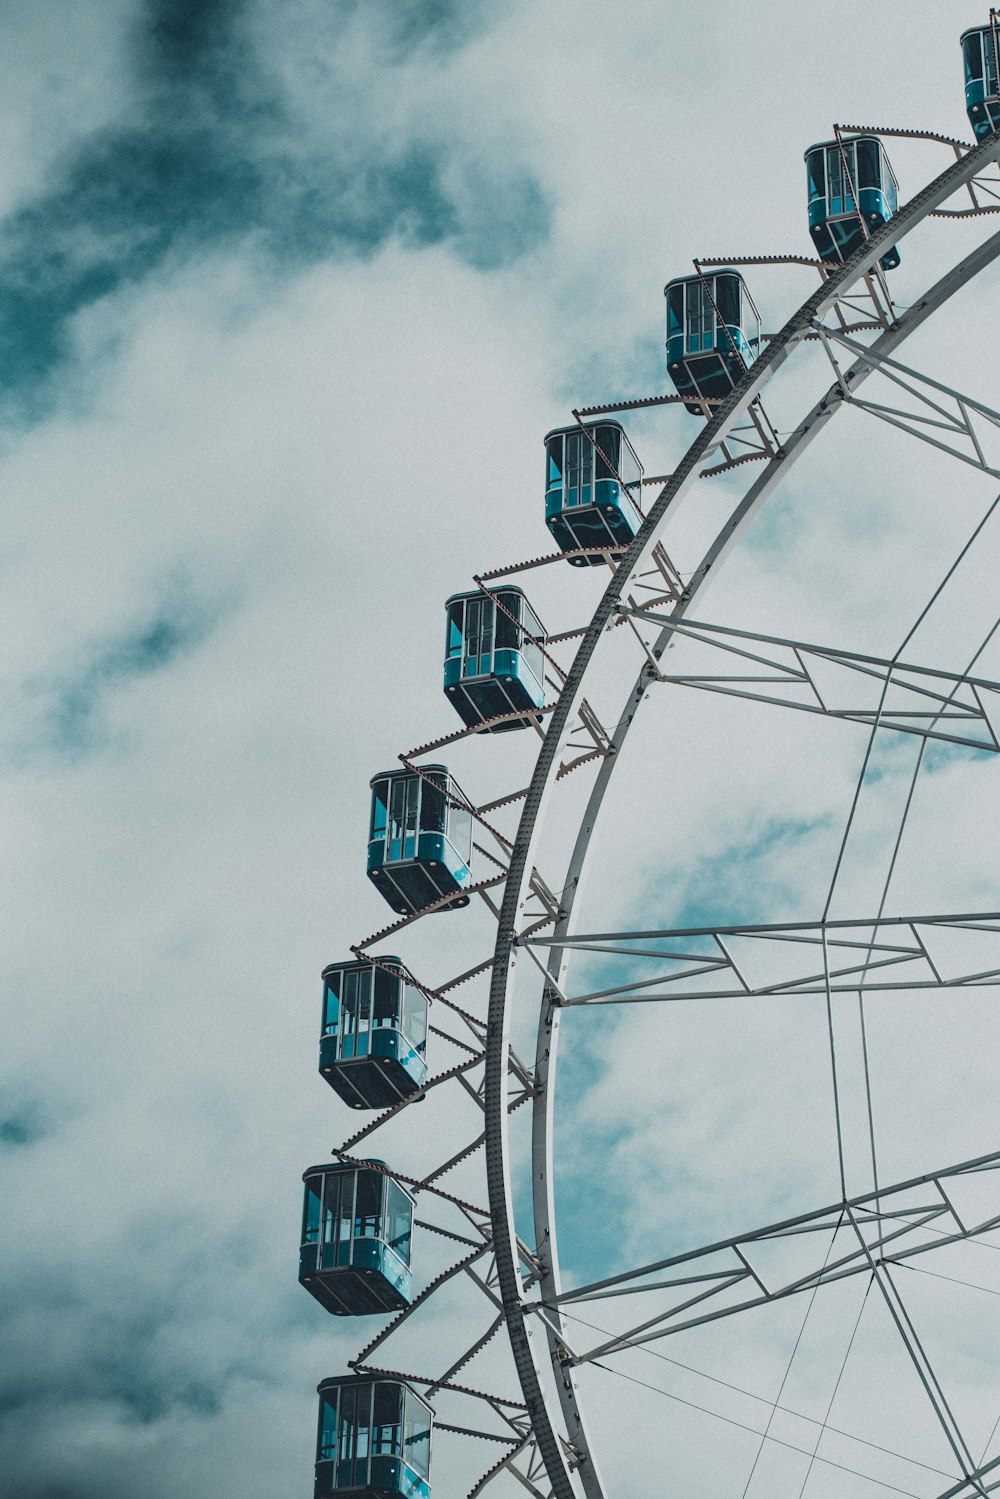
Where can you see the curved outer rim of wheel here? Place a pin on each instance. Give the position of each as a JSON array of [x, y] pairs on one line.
[[518, 1319]]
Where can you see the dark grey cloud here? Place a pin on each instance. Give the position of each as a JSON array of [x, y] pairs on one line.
[[128, 1343], [215, 154], [22, 1123], [125, 1357]]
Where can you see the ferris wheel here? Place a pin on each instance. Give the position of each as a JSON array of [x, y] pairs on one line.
[[815, 955]]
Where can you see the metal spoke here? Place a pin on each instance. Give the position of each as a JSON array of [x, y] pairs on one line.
[[954, 412], [794, 671], [676, 980], [550, 1455], [918, 1356], [918, 1228], [964, 1489]]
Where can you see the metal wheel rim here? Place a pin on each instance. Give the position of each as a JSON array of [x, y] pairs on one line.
[[524, 1345]]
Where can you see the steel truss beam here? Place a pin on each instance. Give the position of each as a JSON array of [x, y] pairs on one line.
[[528, 1360], [524, 1464], [879, 1266], [946, 411], [837, 957], [892, 1225], [974, 1483], [985, 184], [914, 705], [960, 147]]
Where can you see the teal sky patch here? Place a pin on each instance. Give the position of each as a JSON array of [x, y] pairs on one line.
[[212, 158], [22, 1124], [70, 707]]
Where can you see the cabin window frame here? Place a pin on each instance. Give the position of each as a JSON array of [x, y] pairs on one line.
[[508, 635], [413, 1017], [355, 1012], [533, 640], [516, 628], [336, 1208], [326, 1437], [607, 454], [557, 479], [396, 1205], [454, 630], [984, 41], [406, 810], [621, 454], [312, 1221], [411, 1401], [675, 310], [974, 69], [630, 461], [889, 187], [746, 322], [816, 179], [479, 636], [403, 1009], [410, 1421], [578, 465], [886, 183], [341, 1203], [379, 1444], [350, 1446], [459, 831], [747, 303], [378, 821], [699, 314], [561, 484], [841, 176], [467, 615]]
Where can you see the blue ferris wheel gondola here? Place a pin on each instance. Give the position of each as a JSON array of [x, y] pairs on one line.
[[374, 1440], [981, 54], [585, 504], [374, 1036], [852, 191], [357, 1224], [713, 334], [419, 839], [493, 657]]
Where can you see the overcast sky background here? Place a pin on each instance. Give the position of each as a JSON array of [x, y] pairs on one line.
[[288, 298]]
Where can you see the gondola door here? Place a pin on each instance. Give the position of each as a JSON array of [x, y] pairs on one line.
[[479, 619], [404, 807], [579, 470], [700, 319], [841, 200]]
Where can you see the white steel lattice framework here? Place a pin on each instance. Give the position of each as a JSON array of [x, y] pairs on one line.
[[545, 1447]]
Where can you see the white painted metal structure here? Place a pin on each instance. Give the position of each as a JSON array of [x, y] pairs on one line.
[[546, 1447], [809, 320]]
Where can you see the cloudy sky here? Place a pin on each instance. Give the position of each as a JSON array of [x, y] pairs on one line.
[[289, 296]]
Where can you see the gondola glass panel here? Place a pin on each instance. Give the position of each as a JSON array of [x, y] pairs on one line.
[[585, 505], [980, 49], [374, 1037], [493, 660], [713, 335], [419, 841], [355, 1251], [374, 1440], [840, 175]]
